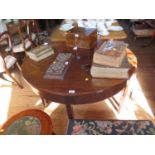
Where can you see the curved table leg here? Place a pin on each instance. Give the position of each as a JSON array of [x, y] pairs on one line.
[[69, 111]]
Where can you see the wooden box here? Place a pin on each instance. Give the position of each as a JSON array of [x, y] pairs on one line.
[[85, 38]]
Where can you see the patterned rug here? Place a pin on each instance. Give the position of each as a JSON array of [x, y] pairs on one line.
[[111, 127]]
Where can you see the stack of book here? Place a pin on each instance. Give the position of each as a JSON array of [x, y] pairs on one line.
[[41, 52], [110, 61]]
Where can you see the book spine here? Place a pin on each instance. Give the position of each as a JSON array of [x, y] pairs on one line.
[[119, 73], [108, 60], [40, 49], [42, 57], [40, 54]]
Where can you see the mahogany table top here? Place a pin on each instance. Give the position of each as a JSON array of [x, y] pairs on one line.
[[87, 89]]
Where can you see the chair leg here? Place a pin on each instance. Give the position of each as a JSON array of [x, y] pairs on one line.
[[130, 95], [114, 103], [18, 66], [9, 74]]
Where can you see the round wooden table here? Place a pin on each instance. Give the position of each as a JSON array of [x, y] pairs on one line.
[[28, 122], [77, 87]]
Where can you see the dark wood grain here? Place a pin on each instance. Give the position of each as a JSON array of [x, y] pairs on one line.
[[87, 37]]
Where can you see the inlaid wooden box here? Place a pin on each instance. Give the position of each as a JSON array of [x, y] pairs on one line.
[[81, 37]]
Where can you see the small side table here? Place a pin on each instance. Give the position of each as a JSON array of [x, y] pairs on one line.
[[28, 122]]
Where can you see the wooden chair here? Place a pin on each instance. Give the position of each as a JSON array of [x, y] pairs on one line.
[[23, 36], [20, 40], [7, 61], [28, 122], [34, 30]]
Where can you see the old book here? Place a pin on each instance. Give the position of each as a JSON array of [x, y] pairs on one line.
[[110, 53], [41, 52], [104, 71], [41, 57], [40, 48], [59, 67]]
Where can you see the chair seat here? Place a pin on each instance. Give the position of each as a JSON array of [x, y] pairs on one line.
[[19, 48], [9, 60], [28, 122]]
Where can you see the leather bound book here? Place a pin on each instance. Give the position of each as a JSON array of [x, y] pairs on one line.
[[41, 52], [105, 71], [110, 53], [42, 56], [38, 50]]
